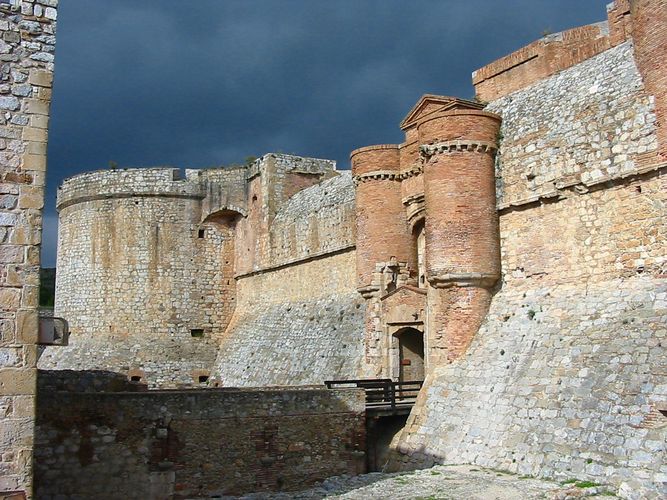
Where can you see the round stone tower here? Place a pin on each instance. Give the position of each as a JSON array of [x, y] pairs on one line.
[[649, 33], [462, 236], [139, 277], [382, 229]]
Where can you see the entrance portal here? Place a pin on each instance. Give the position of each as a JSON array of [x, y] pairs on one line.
[[411, 354]]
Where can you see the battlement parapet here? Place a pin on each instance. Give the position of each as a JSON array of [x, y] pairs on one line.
[[140, 182]]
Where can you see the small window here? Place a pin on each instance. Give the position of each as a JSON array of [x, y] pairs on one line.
[[135, 378], [203, 379], [202, 233], [197, 332]]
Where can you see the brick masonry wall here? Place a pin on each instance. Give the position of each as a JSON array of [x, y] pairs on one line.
[[27, 44], [272, 181], [315, 221], [171, 444], [650, 38], [300, 324]]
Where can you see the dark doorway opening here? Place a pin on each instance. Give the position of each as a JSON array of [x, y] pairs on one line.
[[410, 354]]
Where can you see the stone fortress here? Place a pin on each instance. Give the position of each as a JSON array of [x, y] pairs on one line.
[[510, 253]]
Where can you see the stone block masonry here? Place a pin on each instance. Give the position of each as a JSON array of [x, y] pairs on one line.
[[309, 311], [27, 44], [195, 444]]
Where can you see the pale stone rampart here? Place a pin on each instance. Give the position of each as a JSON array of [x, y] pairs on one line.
[[588, 123]]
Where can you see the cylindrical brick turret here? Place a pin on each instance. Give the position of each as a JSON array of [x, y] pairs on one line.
[[462, 235], [649, 31], [382, 228]]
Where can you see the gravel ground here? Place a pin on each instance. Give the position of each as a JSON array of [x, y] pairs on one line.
[[460, 482]]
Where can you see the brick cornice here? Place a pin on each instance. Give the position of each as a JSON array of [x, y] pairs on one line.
[[389, 174], [428, 150]]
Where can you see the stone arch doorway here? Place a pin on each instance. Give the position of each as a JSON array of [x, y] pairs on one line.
[[410, 354]]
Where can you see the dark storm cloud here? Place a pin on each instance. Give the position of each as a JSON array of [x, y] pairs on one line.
[[166, 82]]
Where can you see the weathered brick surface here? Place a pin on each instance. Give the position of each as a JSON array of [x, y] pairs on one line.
[[650, 39], [197, 443], [382, 229], [27, 43]]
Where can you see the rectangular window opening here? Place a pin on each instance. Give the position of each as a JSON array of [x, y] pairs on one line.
[[197, 332], [203, 379], [135, 378], [202, 233]]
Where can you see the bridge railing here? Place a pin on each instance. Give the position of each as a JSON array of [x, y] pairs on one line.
[[383, 393]]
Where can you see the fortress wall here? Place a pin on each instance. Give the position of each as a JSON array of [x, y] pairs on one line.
[[224, 189], [102, 184], [272, 181], [315, 221], [587, 123], [195, 444], [142, 288], [27, 34], [566, 376], [309, 311], [542, 58]]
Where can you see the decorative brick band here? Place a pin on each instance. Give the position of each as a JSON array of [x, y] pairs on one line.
[[389, 175], [428, 150], [448, 280]]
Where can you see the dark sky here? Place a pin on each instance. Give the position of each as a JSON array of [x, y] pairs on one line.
[[209, 82]]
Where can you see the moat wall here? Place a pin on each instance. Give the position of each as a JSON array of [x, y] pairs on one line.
[[197, 443], [565, 377]]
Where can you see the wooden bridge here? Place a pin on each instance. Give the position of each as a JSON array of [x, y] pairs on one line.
[[384, 397]]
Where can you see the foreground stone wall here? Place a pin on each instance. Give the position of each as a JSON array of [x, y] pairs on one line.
[[27, 44], [169, 444], [565, 377]]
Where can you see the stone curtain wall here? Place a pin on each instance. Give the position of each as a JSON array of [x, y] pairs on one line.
[[141, 282], [300, 320], [316, 221], [157, 444], [27, 44], [300, 324], [566, 376], [587, 124]]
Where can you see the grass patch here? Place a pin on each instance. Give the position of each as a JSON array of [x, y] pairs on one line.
[[586, 484], [435, 473], [569, 481]]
